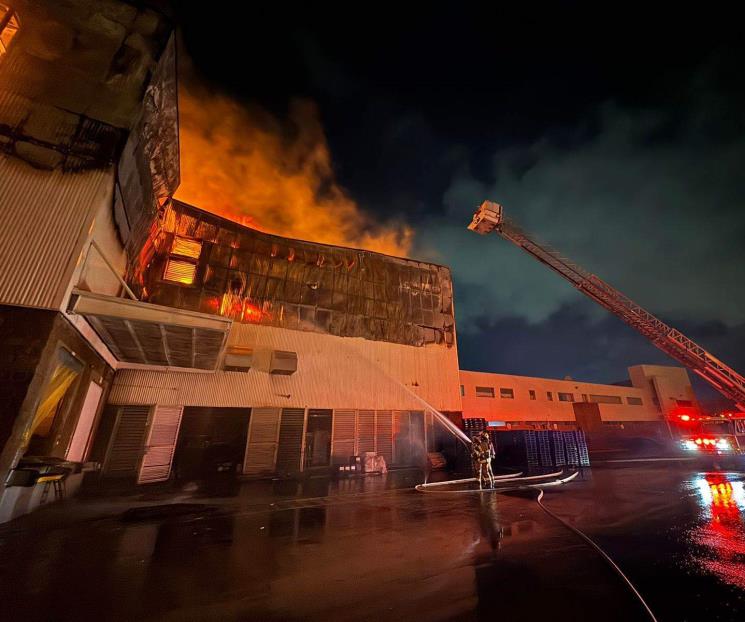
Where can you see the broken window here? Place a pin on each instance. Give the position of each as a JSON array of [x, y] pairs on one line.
[[260, 278]]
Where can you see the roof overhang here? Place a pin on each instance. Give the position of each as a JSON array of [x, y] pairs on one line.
[[147, 334]]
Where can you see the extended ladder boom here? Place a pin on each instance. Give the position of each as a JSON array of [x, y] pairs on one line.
[[489, 217]]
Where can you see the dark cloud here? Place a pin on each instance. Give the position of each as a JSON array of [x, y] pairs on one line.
[[573, 340]]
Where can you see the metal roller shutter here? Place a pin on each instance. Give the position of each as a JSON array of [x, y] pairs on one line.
[[261, 448], [384, 434], [343, 441], [128, 441], [290, 446], [365, 432]]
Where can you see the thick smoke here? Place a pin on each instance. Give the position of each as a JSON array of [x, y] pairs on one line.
[[240, 162]]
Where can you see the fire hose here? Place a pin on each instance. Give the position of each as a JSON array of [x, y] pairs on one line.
[[515, 479]]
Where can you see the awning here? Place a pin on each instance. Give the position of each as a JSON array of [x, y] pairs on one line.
[[139, 332]]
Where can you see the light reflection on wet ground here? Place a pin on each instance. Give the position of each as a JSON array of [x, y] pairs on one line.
[[678, 533], [376, 550]]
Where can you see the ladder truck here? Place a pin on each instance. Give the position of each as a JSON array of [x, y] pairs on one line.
[[489, 217]]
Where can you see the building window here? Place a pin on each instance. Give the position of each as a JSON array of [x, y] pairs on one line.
[[531, 393], [549, 396], [186, 247], [566, 397], [605, 399], [634, 401], [181, 266], [180, 271], [484, 391], [8, 27], [462, 391], [507, 394]]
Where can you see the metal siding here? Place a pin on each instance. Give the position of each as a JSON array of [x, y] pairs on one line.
[[261, 448], [344, 433], [335, 372], [44, 218], [290, 446]]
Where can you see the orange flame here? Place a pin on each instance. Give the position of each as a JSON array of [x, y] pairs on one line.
[[237, 162]]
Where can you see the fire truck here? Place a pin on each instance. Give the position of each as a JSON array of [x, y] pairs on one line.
[[722, 435]]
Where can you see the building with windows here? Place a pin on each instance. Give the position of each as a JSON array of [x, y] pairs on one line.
[[652, 393]]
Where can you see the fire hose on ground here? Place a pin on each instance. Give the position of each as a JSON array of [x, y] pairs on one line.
[[517, 483]]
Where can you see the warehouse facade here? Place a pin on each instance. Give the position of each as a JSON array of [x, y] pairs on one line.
[[324, 353], [652, 394]]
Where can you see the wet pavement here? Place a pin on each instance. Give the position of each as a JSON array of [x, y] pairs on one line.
[[375, 549]]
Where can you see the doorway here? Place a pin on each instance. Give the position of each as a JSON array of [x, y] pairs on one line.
[[318, 439], [212, 442]]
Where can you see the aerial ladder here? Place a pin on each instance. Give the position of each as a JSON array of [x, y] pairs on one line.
[[490, 217]]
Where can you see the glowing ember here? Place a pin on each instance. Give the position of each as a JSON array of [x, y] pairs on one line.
[[237, 163]]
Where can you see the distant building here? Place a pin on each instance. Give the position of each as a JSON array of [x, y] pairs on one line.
[[514, 402]]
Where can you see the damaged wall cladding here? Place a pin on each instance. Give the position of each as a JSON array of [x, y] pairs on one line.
[[72, 80], [148, 171], [259, 278]]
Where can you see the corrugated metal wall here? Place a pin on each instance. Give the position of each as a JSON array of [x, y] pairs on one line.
[[44, 220], [333, 372]]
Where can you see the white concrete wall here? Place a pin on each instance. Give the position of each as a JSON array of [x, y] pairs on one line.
[[669, 384], [522, 408], [333, 372]]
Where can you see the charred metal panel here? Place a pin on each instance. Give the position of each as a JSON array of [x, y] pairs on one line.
[[72, 81], [257, 278], [148, 170]]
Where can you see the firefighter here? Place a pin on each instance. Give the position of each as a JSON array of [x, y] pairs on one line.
[[481, 455]]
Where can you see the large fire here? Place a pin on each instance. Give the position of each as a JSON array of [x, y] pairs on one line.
[[237, 162]]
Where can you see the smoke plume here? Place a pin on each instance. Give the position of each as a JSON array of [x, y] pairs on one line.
[[240, 162]]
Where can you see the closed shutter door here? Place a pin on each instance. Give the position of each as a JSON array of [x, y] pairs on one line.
[[290, 440], [342, 445], [401, 440], [384, 434], [156, 463], [128, 441], [366, 432], [261, 449]]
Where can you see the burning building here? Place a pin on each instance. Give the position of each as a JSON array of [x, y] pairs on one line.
[[142, 337]]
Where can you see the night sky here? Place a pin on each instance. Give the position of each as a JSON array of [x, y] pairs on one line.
[[614, 134]]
